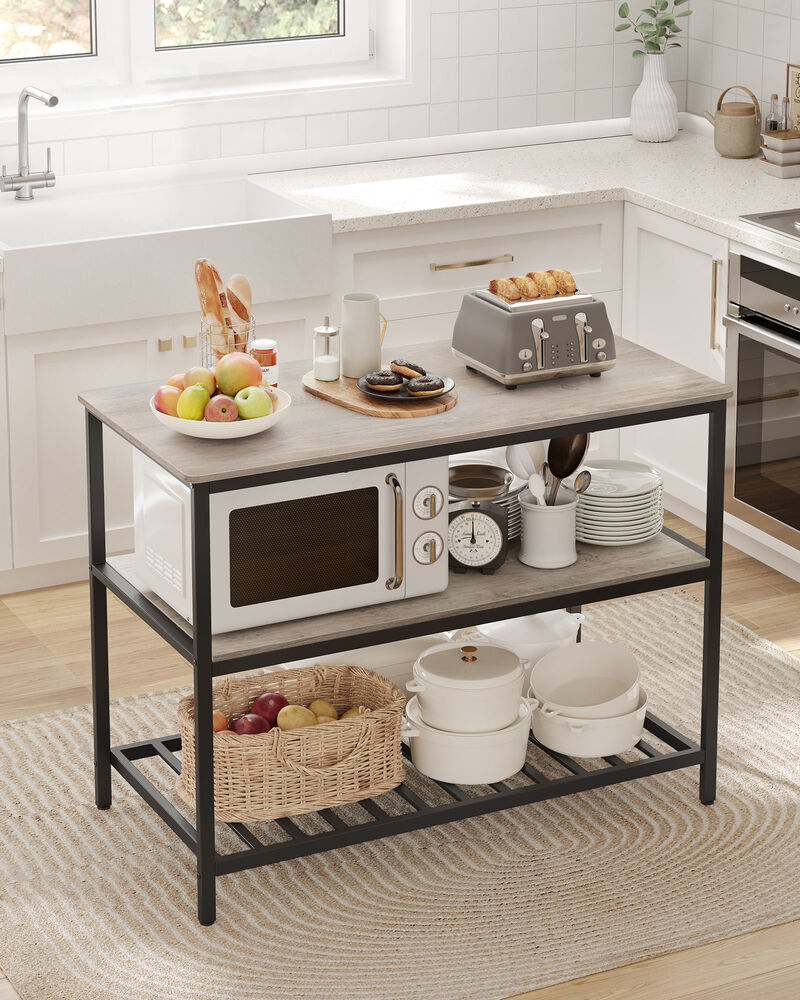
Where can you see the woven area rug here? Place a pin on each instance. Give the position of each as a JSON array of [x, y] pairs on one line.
[[100, 906]]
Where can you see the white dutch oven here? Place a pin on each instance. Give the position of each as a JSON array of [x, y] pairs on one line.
[[471, 688], [590, 680], [590, 737], [467, 758]]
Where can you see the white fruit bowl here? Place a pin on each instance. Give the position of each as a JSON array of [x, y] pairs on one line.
[[220, 430]]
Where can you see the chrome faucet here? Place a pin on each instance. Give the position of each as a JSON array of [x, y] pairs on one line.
[[24, 182]]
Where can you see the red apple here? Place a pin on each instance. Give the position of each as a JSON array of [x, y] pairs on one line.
[[165, 399], [201, 376], [177, 381], [236, 371], [220, 409], [250, 725], [268, 705], [270, 391]]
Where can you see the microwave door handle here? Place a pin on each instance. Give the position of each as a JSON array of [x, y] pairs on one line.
[[766, 337], [397, 580]]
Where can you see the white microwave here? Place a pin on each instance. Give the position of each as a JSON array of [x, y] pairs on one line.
[[296, 549]]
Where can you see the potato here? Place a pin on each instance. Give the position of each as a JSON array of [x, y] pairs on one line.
[[295, 717], [351, 713], [321, 719], [322, 707]]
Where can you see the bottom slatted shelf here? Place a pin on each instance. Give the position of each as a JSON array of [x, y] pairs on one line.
[[417, 803]]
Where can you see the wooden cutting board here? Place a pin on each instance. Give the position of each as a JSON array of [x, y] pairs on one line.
[[345, 393]]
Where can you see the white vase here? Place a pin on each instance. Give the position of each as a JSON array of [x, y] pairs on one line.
[[654, 106]]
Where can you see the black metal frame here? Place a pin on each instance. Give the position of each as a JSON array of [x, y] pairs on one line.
[[197, 649]]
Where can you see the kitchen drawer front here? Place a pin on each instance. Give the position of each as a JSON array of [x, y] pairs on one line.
[[398, 266]]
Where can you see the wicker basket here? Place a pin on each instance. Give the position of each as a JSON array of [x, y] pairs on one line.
[[286, 773]]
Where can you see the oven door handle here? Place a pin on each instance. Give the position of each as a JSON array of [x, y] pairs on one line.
[[399, 544], [766, 337]]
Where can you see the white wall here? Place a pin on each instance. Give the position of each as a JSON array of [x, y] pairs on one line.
[[495, 64]]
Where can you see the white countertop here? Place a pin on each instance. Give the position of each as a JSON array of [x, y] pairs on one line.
[[685, 179]]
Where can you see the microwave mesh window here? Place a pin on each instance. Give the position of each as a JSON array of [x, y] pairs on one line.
[[305, 546]]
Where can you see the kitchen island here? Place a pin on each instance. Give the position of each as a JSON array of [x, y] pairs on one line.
[[315, 438]]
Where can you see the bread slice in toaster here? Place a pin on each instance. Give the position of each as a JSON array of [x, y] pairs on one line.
[[527, 286], [564, 281], [545, 282], [505, 288]]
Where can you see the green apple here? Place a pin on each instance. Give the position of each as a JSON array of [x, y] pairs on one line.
[[192, 402], [252, 402]]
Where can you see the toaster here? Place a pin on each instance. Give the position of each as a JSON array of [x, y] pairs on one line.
[[533, 340]]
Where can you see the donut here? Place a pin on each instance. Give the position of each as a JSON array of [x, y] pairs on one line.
[[426, 385], [383, 381], [408, 369]]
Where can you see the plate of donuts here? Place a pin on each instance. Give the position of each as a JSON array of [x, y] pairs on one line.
[[405, 382]]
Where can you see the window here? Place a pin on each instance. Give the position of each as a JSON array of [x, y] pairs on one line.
[[45, 29], [215, 22]]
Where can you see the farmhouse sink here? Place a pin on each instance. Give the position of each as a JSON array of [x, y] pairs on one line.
[[86, 253]]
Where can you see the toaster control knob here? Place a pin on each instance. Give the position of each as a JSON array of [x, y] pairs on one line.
[[786, 307], [527, 366], [525, 354], [601, 355], [795, 310], [598, 343]]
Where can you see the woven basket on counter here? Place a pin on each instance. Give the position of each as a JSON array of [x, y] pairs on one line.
[[275, 774]]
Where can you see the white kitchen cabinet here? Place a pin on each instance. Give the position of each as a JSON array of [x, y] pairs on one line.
[[5, 486], [674, 291]]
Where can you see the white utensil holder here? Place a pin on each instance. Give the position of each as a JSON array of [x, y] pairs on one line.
[[548, 533]]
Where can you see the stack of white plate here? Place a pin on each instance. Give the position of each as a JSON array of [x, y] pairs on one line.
[[622, 506]]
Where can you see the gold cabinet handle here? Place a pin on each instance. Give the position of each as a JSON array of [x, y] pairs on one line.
[[164, 344], [505, 258], [716, 264], [189, 341]]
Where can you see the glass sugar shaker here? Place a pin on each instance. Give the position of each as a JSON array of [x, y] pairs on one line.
[[327, 352]]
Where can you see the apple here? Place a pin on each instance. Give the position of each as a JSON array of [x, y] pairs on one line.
[[165, 399], [220, 721], [236, 371], [252, 402], [268, 705], [201, 376], [177, 381], [249, 725], [270, 391], [192, 403], [221, 409]]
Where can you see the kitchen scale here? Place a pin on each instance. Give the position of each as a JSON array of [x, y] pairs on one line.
[[480, 508]]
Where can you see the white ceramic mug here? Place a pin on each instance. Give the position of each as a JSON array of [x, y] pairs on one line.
[[362, 334], [548, 533]]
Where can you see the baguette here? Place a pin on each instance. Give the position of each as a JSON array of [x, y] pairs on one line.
[[240, 298], [527, 286], [213, 306], [545, 282], [564, 281], [506, 289]]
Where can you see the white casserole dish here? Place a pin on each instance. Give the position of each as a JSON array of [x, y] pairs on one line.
[[530, 637], [782, 158], [590, 680], [467, 758], [590, 737], [779, 171], [470, 688], [787, 140]]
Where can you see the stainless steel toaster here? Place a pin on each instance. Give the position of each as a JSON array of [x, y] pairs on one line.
[[517, 342]]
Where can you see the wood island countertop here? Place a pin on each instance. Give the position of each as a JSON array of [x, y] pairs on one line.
[[317, 436]]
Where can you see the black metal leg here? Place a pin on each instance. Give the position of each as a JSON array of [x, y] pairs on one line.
[[713, 602], [98, 613], [203, 708]]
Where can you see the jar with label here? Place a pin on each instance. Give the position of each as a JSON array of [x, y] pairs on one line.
[[326, 352], [266, 354]]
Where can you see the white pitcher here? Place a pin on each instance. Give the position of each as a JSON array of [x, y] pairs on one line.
[[362, 334]]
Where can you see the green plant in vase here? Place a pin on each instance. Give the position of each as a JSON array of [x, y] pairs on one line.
[[654, 107]]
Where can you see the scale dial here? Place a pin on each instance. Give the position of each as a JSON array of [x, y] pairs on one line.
[[428, 547], [428, 502], [475, 539]]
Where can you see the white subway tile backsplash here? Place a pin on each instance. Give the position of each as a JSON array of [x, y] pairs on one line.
[[594, 67], [203, 142], [518, 74], [699, 99], [242, 138], [749, 73], [444, 35], [283, 134], [556, 73], [477, 116], [783, 7], [777, 31], [126, 151], [595, 24], [410, 122], [519, 29], [773, 80], [723, 67], [444, 6], [794, 41], [557, 26], [700, 62], [751, 31], [725, 24], [83, 156], [477, 78], [701, 21], [444, 119], [517, 112], [368, 126], [444, 80], [478, 33], [621, 106], [477, 5], [326, 130], [593, 105], [553, 109], [627, 70]]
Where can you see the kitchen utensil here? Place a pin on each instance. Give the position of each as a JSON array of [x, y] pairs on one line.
[[345, 393], [537, 488], [737, 125], [586, 680], [564, 455], [225, 430], [362, 334], [583, 481], [467, 758], [530, 637], [478, 482], [530, 341], [470, 688], [548, 531], [402, 394], [525, 459], [590, 737]]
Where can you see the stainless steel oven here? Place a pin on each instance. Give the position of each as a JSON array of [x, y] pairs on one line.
[[763, 367]]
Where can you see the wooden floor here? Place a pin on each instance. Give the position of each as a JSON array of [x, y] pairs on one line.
[[45, 665]]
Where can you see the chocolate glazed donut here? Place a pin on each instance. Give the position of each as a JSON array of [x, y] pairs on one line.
[[408, 369], [427, 385], [383, 381]]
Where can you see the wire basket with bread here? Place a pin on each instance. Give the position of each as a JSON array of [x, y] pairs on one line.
[[226, 321]]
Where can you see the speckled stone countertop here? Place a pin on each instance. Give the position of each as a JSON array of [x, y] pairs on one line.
[[685, 179]]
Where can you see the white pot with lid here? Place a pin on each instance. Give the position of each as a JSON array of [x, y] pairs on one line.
[[473, 687], [530, 637]]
